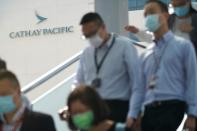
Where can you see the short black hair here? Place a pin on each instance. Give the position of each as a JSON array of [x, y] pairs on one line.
[[88, 96], [162, 5], [92, 17], [8, 75], [2, 64]]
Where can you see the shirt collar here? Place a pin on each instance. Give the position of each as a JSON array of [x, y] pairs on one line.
[[109, 41], [16, 117], [165, 39]]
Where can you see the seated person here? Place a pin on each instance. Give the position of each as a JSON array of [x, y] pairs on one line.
[[88, 112], [15, 116]]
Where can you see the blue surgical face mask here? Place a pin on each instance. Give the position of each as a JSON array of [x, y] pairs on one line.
[[182, 10], [152, 22], [6, 104]]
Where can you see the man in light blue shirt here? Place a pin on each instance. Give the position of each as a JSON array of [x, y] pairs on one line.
[[111, 64], [170, 75]]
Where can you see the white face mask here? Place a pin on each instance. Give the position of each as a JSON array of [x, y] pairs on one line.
[[95, 41], [194, 5]]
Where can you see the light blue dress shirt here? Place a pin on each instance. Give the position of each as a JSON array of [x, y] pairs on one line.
[[120, 72], [176, 76]]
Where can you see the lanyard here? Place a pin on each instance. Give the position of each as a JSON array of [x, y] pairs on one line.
[[99, 65], [158, 59], [19, 118], [17, 125]]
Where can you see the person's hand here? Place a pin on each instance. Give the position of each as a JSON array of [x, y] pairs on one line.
[[184, 27], [131, 29], [63, 114], [134, 124], [130, 122], [137, 125], [190, 123]]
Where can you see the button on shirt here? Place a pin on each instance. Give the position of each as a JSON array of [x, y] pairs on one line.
[[120, 72], [176, 74]]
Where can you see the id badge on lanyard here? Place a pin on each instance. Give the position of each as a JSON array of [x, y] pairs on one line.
[[97, 82], [152, 80]]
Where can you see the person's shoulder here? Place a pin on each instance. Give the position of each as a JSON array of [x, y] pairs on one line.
[[122, 39], [87, 51], [181, 41], [38, 116], [182, 44], [37, 121], [87, 48], [124, 42]]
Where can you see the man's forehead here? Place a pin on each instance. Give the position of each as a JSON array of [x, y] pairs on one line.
[[152, 5], [152, 8], [89, 25], [6, 86], [89, 28]]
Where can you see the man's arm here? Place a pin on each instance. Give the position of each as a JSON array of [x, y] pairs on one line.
[[135, 73], [141, 35], [79, 79], [191, 78], [191, 86]]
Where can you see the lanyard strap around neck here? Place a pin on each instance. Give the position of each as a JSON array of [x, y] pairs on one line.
[[158, 59], [99, 65]]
